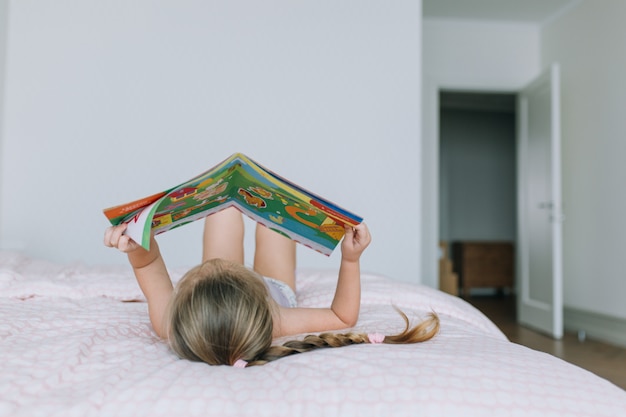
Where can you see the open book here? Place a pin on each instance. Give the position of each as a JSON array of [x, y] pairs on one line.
[[256, 191]]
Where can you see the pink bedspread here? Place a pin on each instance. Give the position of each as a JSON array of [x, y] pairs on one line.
[[74, 341]]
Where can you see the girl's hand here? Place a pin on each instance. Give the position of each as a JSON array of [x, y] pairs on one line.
[[354, 242], [114, 237]]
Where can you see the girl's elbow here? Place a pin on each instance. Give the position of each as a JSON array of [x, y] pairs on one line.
[[350, 321], [159, 331], [345, 319]]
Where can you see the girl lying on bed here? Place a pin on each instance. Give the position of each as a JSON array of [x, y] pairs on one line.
[[223, 313]]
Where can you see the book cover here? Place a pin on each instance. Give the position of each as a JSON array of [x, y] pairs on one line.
[[256, 191]]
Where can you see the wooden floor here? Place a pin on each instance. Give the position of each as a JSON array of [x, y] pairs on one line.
[[603, 359]]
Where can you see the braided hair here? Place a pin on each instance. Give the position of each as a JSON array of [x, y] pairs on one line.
[[421, 332]]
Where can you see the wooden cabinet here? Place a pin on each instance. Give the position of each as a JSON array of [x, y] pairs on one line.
[[448, 280], [483, 264]]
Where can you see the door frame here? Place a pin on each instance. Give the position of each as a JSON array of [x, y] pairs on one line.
[[430, 167], [546, 317]]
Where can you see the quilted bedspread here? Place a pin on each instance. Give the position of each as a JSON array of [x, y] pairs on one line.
[[76, 340]]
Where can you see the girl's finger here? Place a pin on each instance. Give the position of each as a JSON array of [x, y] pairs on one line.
[[362, 234], [114, 235], [124, 243], [107, 236]]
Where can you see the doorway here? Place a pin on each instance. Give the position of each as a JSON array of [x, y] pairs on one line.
[[478, 173]]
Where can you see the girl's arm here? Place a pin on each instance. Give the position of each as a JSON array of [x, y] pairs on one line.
[[344, 310], [150, 271]]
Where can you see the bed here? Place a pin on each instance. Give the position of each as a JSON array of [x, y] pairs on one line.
[[76, 340]]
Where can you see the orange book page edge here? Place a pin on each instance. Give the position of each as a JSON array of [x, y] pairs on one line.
[[117, 211]]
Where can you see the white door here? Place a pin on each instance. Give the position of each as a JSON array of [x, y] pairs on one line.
[[540, 276]]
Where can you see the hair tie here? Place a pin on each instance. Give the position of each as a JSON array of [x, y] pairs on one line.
[[376, 338], [240, 363]]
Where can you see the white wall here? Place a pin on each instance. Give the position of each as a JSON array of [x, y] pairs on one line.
[[465, 55], [476, 54], [4, 18], [589, 44], [110, 101]]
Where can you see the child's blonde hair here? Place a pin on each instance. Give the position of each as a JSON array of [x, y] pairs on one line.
[[220, 313]]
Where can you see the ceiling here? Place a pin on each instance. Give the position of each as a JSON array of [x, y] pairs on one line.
[[521, 11]]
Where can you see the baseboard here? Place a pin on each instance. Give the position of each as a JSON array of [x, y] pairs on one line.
[[596, 326]]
